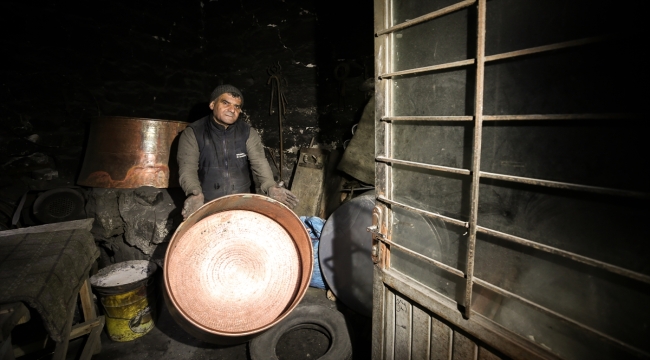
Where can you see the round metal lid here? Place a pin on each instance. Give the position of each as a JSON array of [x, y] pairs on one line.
[[344, 253], [234, 271]]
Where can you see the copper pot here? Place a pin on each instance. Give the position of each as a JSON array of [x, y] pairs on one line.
[[126, 152], [236, 267]]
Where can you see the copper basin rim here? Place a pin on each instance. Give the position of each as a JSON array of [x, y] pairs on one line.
[[128, 152], [273, 210]]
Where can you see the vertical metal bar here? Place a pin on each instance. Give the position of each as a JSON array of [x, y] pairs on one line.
[[476, 165], [388, 134], [390, 86], [380, 293], [381, 43]]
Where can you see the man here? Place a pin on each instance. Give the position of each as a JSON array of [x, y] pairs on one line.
[[217, 152]]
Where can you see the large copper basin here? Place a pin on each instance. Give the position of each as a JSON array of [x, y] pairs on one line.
[[126, 152], [236, 267]]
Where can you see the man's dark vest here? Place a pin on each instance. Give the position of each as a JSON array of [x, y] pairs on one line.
[[223, 160]]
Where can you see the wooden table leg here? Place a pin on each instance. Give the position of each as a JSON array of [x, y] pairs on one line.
[[87, 304], [92, 325], [89, 310], [93, 343]]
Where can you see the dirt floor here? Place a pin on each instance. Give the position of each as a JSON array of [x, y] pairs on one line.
[[168, 341]]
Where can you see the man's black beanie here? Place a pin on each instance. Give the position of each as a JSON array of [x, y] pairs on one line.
[[221, 89]]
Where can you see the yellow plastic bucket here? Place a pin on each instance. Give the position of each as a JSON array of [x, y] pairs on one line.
[[126, 292]]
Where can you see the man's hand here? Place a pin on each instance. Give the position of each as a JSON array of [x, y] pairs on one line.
[[283, 195], [192, 203]]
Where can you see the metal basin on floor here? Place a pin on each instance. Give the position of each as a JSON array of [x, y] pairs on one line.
[[236, 267]]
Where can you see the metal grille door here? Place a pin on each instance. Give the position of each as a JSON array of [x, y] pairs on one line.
[[510, 177]]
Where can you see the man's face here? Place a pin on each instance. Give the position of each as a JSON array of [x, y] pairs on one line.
[[226, 109]]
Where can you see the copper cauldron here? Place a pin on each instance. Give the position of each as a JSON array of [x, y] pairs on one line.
[[126, 152], [236, 267]]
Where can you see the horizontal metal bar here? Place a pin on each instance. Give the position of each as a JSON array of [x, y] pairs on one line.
[[544, 48], [449, 65], [425, 258], [560, 117], [446, 169], [543, 309], [565, 185], [427, 17], [424, 212], [567, 254], [427, 118], [516, 117], [358, 189]]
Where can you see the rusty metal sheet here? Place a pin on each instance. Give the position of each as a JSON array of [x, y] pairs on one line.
[[127, 152], [308, 181]]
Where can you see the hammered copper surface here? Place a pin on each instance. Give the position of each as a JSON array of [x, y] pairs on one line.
[[252, 271], [236, 267], [125, 152]]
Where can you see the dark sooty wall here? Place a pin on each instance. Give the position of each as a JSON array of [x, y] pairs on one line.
[[65, 63]]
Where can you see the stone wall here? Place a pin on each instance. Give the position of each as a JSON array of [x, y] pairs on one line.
[[69, 62]]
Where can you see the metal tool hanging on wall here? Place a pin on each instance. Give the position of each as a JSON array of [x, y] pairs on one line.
[[276, 81]]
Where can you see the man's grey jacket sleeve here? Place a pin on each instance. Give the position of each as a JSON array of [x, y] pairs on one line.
[[257, 159], [188, 162]]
